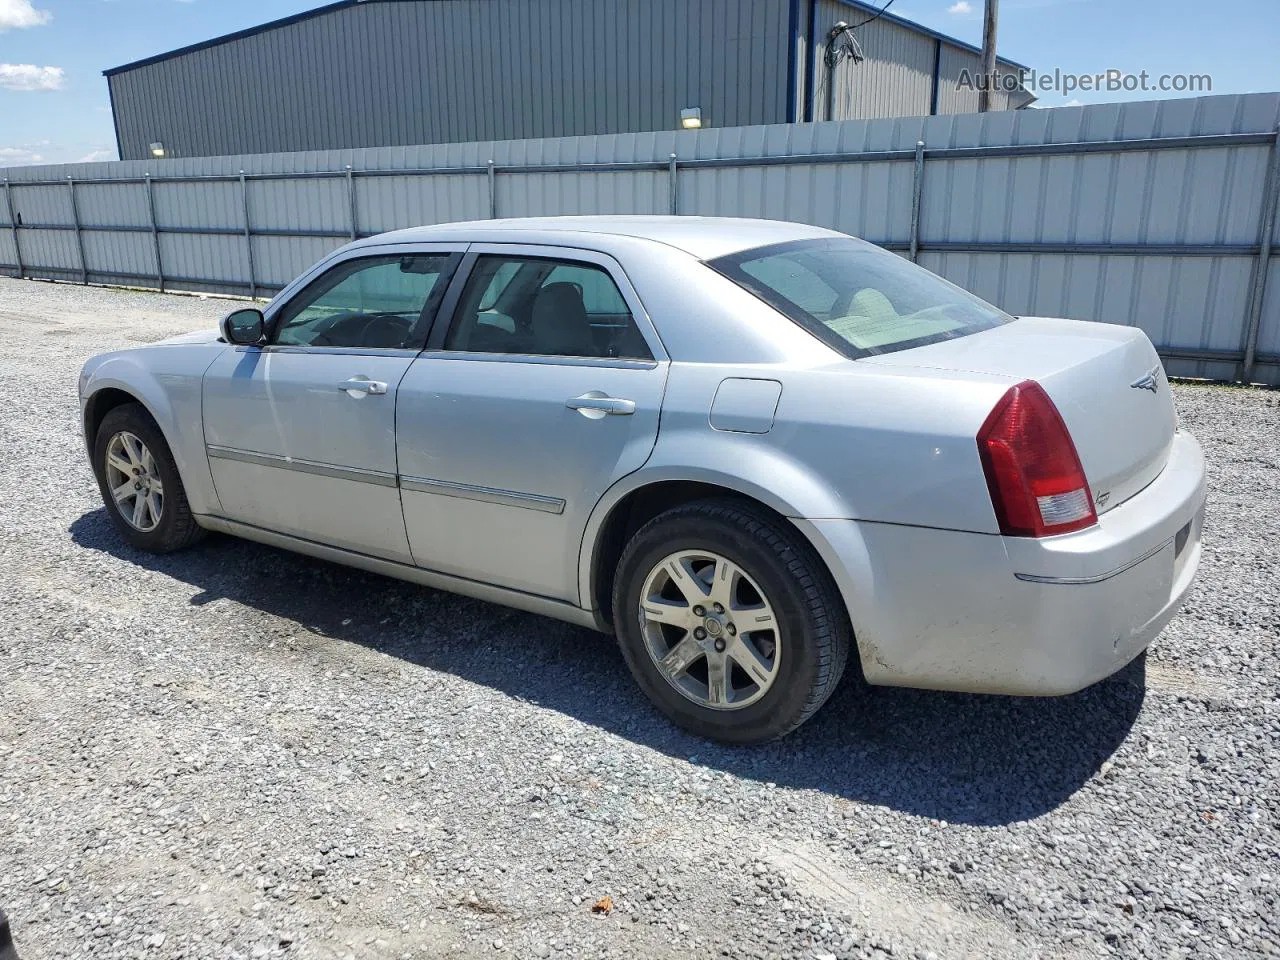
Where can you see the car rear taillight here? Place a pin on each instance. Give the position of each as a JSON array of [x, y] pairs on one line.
[[1037, 485]]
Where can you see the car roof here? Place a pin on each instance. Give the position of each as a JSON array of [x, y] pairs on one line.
[[703, 237]]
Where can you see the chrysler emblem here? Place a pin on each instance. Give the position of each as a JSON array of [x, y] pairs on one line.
[[1148, 381]]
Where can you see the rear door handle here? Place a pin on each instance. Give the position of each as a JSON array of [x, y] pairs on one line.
[[363, 385], [595, 405]]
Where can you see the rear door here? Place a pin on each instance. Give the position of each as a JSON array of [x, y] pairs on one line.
[[301, 432], [542, 391]]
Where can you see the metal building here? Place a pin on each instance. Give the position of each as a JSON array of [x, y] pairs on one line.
[[371, 73]]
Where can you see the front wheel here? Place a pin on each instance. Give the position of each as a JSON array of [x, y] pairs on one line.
[[139, 482], [729, 622]]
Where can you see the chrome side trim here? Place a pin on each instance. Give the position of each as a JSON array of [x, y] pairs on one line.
[[470, 491], [330, 351], [1036, 578], [618, 363], [543, 606], [375, 477]]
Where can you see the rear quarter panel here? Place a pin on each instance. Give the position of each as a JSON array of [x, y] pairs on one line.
[[847, 442]]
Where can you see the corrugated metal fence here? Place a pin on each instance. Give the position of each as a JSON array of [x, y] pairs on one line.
[[1156, 214]]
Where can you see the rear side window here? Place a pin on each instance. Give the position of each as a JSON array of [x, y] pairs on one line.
[[499, 277], [544, 307], [599, 293], [858, 298]]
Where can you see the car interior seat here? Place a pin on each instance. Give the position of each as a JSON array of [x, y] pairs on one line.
[[560, 324]]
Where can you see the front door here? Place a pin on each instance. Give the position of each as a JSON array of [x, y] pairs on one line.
[[542, 392], [301, 432]]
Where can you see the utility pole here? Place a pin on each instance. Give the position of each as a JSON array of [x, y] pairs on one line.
[[990, 16]]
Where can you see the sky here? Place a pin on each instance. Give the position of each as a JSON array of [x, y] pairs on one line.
[[54, 106]]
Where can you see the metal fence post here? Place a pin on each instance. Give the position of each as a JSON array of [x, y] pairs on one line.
[[917, 189], [351, 201], [155, 232], [673, 187], [248, 238], [492, 173], [13, 227], [75, 219], [1258, 284]]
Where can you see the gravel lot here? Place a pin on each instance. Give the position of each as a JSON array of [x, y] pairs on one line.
[[238, 752]]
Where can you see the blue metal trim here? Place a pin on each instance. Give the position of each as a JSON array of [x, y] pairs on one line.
[[921, 28], [115, 120], [937, 76], [793, 40], [810, 61]]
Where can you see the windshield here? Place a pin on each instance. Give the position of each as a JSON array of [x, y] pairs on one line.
[[857, 297]]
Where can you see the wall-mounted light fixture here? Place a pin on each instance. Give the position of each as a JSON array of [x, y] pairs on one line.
[[157, 149], [691, 118]]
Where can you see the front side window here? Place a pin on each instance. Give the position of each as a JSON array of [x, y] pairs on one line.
[[858, 298], [544, 307], [373, 302]]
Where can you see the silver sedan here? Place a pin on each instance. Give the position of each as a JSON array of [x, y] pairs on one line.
[[747, 448]]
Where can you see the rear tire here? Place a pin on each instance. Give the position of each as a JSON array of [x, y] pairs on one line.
[[139, 482], [772, 638]]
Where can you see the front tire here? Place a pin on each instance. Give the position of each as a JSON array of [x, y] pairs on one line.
[[729, 622], [139, 482]]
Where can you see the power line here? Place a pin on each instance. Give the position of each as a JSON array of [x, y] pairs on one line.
[[876, 17]]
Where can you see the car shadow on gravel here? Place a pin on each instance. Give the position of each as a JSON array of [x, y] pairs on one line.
[[955, 757]]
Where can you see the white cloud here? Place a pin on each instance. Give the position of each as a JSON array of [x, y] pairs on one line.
[[28, 77], [17, 14], [97, 156], [960, 8], [18, 156]]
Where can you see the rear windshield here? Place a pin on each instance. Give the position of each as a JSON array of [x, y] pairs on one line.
[[857, 297]]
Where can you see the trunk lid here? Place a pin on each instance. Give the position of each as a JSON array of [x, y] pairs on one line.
[[1105, 380]]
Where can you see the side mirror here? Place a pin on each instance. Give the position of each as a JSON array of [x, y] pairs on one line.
[[244, 327]]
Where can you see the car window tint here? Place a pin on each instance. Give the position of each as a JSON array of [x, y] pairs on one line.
[[858, 298], [544, 307], [793, 280], [599, 293], [372, 302], [502, 276]]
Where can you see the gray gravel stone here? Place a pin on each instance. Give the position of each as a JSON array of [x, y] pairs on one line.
[[237, 752]]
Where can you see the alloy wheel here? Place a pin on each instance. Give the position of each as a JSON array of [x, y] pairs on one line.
[[134, 481], [710, 630]]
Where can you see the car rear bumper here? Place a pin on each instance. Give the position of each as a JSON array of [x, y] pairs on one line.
[[989, 614]]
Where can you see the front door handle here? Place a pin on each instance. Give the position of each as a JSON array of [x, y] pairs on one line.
[[596, 405], [359, 385]]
